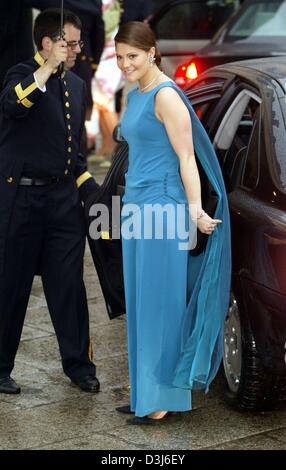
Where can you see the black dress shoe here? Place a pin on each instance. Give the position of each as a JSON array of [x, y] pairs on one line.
[[88, 383], [8, 385], [125, 409]]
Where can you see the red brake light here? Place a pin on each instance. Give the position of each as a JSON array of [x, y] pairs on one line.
[[199, 113], [191, 71], [185, 73]]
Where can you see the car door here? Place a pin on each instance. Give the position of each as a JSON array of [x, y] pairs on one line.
[[233, 122], [237, 142], [104, 238]]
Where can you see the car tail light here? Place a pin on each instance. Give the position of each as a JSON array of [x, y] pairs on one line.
[[185, 73], [199, 113]]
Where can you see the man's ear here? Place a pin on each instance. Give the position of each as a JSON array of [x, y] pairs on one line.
[[47, 44]]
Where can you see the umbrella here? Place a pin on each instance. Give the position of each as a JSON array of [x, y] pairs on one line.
[[62, 19], [62, 33]]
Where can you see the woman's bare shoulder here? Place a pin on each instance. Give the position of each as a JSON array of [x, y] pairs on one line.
[[168, 96]]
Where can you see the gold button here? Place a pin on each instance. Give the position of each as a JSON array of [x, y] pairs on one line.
[[63, 74], [68, 116], [69, 149], [69, 161], [66, 172], [69, 138], [67, 93], [69, 127], [18, 101], [67, 104], [10, 179], [83, 57], [65, 82]]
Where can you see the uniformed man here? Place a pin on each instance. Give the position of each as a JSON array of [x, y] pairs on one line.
[[42, 177], [92, 35]]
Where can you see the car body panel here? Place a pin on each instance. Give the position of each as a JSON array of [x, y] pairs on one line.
[[262, 308]]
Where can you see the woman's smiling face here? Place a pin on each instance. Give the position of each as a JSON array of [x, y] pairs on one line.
[[133, 62]]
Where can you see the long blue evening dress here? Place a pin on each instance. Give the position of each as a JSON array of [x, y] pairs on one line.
[[175, 304]]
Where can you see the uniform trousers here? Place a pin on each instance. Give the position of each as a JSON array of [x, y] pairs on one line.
[[46, 232]]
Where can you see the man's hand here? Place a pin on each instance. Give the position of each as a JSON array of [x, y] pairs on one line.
[[58, 54]]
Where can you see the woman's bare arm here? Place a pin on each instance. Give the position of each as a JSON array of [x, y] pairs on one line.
[[173, 113]]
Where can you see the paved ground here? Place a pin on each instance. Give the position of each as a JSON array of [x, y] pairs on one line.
[[50, 413]]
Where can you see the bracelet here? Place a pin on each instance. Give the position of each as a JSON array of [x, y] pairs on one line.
[[201, 214]]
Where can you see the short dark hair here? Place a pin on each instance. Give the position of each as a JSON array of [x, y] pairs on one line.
[[48, 23]]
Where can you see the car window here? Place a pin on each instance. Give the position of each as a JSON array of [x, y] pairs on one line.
[[206, 82], [203, 109], [251, 170], [261, 18], [237, 120], [193, 19], [204, 96], [233, 138], [277, 141]]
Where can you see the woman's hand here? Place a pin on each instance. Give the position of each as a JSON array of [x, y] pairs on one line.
[[206, 224]]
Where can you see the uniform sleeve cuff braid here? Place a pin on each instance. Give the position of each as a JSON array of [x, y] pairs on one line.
[[27, 91], [83, 178]]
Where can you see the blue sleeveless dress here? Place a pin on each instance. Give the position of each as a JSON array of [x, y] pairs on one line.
[[174, 326]]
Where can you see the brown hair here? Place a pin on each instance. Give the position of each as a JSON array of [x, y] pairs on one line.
[[48, 23], [138, 35]]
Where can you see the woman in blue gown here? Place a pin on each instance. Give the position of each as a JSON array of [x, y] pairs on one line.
[[175, 304]]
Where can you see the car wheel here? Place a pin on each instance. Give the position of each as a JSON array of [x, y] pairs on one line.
[[248, 386]]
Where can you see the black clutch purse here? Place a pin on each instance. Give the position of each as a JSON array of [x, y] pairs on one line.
[[209, 204]]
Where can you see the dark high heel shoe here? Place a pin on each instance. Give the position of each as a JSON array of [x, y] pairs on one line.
[[125, 409], [149, 421]]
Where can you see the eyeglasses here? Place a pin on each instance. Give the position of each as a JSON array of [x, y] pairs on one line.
[[74, 44]]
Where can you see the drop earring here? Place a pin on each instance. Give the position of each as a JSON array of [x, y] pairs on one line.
[[151, 60]]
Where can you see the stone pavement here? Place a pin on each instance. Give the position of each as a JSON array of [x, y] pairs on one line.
[[51, 413]]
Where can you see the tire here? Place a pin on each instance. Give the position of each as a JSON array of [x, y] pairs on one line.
[[248, 386]]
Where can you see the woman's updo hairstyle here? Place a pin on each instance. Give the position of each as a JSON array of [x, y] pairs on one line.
[[139, 35]]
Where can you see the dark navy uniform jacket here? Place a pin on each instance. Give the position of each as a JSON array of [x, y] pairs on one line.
[[40, 133]]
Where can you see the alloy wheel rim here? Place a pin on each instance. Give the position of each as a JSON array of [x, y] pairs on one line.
[[232, 352]]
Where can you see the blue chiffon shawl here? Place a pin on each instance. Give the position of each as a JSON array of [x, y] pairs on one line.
[[209, 278]]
